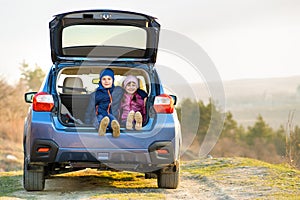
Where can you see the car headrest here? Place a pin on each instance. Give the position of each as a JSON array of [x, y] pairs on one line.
[[72, 82]]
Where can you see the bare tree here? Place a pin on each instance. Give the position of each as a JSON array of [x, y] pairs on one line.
[[4, 88], [290, 138]]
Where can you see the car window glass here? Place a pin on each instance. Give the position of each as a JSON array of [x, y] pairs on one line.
[[106, 35], [90, 80]]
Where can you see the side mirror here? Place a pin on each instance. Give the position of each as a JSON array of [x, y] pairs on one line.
[[29, 97], [174, 99]]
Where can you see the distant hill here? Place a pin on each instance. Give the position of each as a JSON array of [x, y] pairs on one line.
[[273, 98]]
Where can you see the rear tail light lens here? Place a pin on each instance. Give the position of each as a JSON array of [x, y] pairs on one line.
[[43, 102], [43, 149], [162, 151], [164, 104]]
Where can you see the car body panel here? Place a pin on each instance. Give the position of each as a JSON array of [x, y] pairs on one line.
[[130, 147]]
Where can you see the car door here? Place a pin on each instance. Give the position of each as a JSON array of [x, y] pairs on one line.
[[104, 35]]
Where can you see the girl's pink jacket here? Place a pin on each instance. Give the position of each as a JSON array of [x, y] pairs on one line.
[[133, 102]]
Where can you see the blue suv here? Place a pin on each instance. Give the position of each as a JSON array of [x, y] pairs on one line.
[[57, 139]]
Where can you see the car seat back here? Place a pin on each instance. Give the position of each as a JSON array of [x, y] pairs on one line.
[[72, 85]]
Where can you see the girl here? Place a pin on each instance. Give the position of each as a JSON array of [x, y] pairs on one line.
[[132, 107]]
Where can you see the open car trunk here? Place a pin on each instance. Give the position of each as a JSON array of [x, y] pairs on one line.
[[104, 35], [75, 85]]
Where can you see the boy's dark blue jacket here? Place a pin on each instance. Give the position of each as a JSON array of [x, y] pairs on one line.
[[101, 98]]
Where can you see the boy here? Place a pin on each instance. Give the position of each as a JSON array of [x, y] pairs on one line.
[[100, 103]]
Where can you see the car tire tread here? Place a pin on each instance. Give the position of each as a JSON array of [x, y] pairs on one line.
[[168, 180], [33, 180]]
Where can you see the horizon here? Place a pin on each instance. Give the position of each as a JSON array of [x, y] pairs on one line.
[[12, 79]]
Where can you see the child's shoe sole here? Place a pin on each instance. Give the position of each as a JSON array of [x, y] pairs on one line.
[[129, 121], [138, 121], [116, 128], [103, 126]]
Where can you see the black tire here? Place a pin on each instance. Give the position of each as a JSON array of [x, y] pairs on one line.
[[168, 180], [33, 180]]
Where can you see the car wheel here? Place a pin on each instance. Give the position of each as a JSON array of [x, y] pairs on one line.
[[33, 180], [168, 180]]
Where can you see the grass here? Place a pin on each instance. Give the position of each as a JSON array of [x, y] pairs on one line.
[[131, 196], [207, 167], [10, 182], [114, 179], [279, 181], [282, 180], [130, 185]]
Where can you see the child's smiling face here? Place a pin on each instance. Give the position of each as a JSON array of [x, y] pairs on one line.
[[106, 81], [131, 87]]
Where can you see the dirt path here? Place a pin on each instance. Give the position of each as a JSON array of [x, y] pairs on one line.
[[86, 188], [231, 186], [193, 188], [83, 188], [231, 181], [226, 185]]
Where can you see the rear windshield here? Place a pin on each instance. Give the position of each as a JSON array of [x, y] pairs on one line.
[[84, 80], [81, 37]]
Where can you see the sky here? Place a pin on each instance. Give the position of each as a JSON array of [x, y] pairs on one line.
[[244, 39]]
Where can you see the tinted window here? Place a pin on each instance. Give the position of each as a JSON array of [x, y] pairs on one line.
[[106, 35]]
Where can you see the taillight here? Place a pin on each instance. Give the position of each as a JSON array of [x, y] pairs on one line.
[[162, 151], [164, 104], [43, 149], [43, 102]]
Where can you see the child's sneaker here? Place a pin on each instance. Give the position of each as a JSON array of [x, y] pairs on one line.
[[103, 126], [138, 121], [116, 128], [129, 121]]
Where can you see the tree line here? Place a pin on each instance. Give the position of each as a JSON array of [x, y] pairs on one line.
[[258, 141], [13, 108]]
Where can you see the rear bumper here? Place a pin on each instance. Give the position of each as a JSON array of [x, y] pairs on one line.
[[151, 147], [157, 155]]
